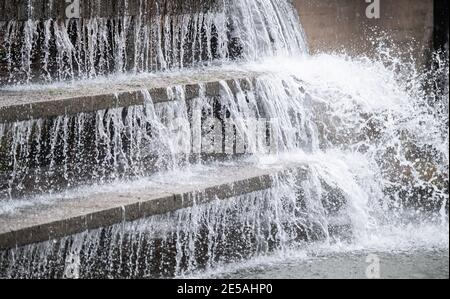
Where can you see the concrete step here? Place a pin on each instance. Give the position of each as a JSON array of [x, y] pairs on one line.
[[51, 138], [44, 101], [168, 225], [49, 219]]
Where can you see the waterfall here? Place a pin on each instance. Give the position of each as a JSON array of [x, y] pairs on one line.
[[54, 50], [374, 138], [199, 237]]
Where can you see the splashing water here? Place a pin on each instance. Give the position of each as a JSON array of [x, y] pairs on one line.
[[373, 134]]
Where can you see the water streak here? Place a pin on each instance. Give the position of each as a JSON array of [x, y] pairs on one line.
[[55, 50]]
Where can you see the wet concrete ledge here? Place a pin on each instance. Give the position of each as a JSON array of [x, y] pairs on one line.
[[39, 223], [45, 102]]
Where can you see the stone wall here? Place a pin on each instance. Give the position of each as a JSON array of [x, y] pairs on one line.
[[342, 25]]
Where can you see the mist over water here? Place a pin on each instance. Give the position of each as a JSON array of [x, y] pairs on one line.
[[371, 134]]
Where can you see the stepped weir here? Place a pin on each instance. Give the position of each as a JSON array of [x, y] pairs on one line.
[[160, 138]]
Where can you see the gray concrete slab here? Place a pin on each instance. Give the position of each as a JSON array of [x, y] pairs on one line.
[[42, 222]]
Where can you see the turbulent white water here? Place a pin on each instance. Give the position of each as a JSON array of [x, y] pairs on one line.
[[373, 135]]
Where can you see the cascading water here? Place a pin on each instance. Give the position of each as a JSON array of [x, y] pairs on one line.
[[49, 50], [374, 137], [180, 243]]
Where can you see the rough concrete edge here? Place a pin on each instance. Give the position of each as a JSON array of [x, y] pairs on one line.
[[134, 211], [86, 104]]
